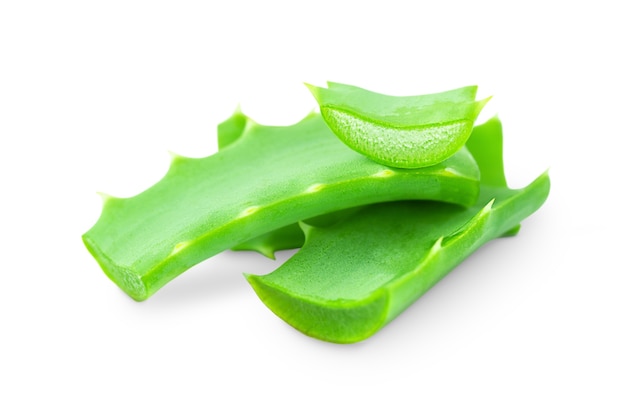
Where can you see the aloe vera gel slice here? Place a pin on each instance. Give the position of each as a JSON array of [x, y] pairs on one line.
[[404, 132], [263, 179], [352, 278]]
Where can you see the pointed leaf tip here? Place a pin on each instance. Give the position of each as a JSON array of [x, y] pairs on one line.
[[306, 228], [106, 198], [315, 91], [173, 155]]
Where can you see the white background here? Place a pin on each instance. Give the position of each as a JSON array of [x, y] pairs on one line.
[[93, 95]]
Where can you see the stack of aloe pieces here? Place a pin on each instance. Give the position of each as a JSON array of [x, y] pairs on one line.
[[384, 195]]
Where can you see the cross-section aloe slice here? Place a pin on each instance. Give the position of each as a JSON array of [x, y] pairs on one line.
[[351, 279], [266, 178], [405, 132]]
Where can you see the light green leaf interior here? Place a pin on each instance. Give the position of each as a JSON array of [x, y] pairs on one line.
[[406, 132]]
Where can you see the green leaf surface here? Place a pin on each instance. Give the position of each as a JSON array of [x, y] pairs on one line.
[[482, 145], [404, 132], [284, 238], [352, 278], [264, 178], [267, 244]]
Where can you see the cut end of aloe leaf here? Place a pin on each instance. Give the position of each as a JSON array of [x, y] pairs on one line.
[[414, 147], [341, 322], [402, 132], [127, 280]]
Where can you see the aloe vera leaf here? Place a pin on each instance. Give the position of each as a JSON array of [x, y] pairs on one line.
[[284, 238], [287, 237], [266, 179], [403, 132], [351, 279]]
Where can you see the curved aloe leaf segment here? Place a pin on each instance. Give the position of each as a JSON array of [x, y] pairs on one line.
[[352, 278], [404, 132], [265, 178], [287, 237]]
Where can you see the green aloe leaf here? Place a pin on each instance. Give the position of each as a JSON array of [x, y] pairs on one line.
[[263, 179], [267, 244], [352, 278], [404, 132], [284, 238]]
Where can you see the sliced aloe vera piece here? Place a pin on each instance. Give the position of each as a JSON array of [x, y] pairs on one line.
[[351, 279], [404, 132], [287, 237], [267, 244], [264, 179]]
